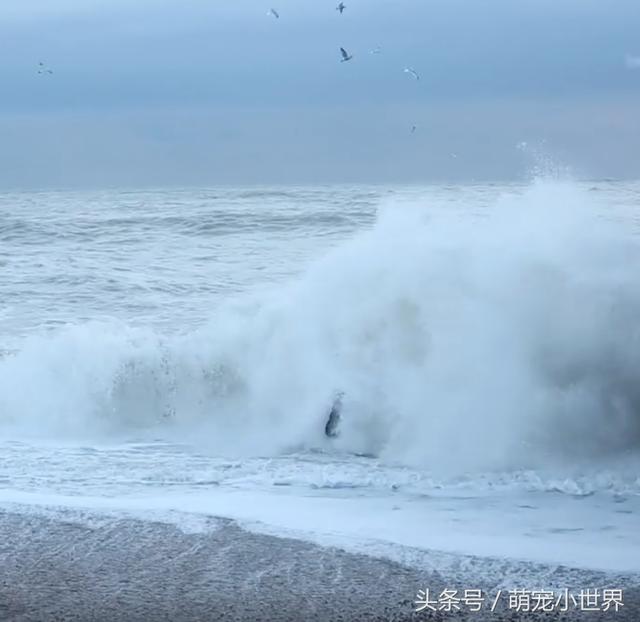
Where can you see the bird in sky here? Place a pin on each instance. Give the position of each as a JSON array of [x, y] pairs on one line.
[[341, 7], [345, 55], [376, 50], [42, 68], [274, 13], [413, 129], [413, 72]]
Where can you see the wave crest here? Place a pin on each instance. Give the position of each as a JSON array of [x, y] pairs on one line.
[[461, 338]]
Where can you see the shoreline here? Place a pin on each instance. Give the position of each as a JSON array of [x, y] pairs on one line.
[[136, 570]]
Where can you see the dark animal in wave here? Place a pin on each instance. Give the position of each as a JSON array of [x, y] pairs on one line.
[[331, 427]]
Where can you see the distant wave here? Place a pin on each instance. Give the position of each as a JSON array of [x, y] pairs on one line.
[[461, 341], [207, 222]]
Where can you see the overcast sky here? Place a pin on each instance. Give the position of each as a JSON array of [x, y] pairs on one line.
[[152, 92]]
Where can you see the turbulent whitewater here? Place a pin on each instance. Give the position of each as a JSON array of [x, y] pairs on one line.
[[486, 340]]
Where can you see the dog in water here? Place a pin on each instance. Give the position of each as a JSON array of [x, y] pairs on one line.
[[331, 427]]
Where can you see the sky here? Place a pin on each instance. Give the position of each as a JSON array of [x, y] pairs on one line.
[[203, 92]]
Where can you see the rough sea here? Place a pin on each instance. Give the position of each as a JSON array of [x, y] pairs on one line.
[[173, 355]]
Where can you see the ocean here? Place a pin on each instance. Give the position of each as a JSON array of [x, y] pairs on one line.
[[173, 355]]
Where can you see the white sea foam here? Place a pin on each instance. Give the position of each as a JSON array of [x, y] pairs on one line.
[[463, 337]]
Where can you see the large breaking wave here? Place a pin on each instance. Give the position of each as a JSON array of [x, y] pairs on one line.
[[461, 338]]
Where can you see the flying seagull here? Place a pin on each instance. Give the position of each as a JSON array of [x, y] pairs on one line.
[[274, 13], [376, 50], [341, 7], [345, 56], [413, 72], [43, 69]]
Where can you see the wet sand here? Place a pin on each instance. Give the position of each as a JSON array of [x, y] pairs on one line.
[[128, 570]]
